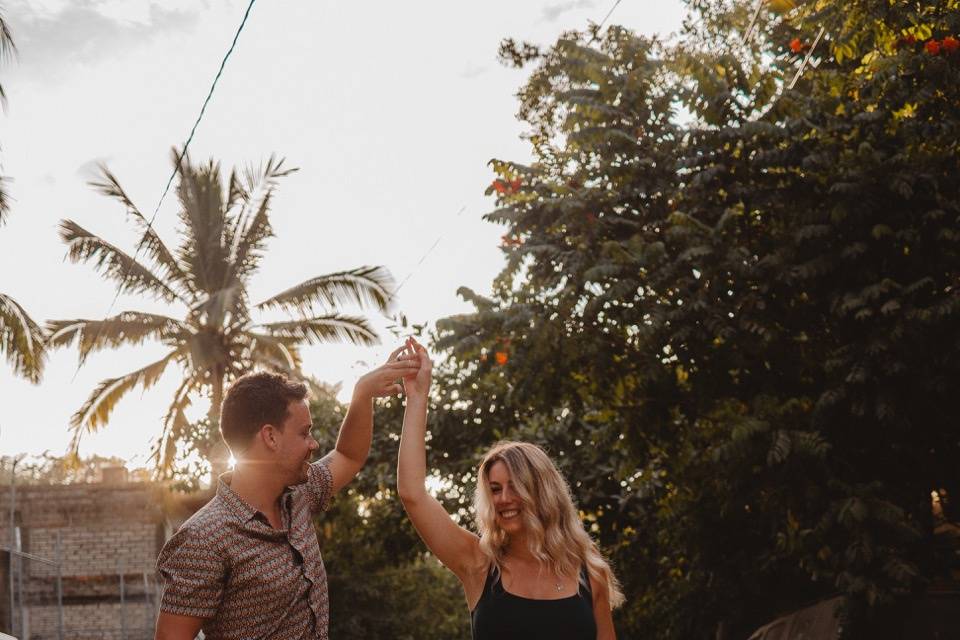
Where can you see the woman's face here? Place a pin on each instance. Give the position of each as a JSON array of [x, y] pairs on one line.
[[506, 502]]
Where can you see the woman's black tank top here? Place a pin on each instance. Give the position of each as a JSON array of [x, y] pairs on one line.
[[500, 615]]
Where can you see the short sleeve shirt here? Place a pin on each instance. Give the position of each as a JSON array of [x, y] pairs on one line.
[[248, 580]]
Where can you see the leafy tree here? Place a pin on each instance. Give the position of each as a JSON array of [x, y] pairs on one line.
[[729, 307], [21, 339], [48, 469], [224, 229]]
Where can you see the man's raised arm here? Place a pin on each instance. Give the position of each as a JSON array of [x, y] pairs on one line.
[[356, 432]]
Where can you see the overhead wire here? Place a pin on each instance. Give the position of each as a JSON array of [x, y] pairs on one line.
[[783, 88], [180, 155], [596, 33], [433, 246]]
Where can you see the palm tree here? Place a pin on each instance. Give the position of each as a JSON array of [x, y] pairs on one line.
[[21, 339], [222, 239]]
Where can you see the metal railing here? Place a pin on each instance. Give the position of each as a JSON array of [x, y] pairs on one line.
[[17, 617]]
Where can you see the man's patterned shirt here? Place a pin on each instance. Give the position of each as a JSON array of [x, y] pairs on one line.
[[248, 580]]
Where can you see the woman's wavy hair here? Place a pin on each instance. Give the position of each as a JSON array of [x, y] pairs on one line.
[[555, 535]]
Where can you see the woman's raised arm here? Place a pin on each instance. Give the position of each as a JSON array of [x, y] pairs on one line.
[[457, 548]]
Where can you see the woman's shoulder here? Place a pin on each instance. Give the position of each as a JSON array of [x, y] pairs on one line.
[[599, 590]]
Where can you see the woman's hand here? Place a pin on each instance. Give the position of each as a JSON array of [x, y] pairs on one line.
[[416, 383], [382, 381]]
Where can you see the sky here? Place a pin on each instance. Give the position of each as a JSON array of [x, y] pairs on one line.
[[390, 110]]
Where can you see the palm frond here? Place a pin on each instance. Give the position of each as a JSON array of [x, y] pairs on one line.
[[109, 186], [127, 328], [7, 47], [213, 310], [204, 252], [236, 192], [268, 349], [96, 410], [251, 226], [4, 198], [250, 238], [320, 329], [265, 176], [363, 286], [175, 422], [133, 277], [7, 50], [21, 340]]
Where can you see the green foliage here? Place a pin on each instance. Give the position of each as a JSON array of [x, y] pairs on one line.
[[48, 469], [729, 308]]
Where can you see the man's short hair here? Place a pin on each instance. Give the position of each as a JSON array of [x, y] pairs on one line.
[[254, 400]]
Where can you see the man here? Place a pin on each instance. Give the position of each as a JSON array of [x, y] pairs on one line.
[[247, 565]]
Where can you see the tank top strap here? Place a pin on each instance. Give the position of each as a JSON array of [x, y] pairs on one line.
[[490, 582]]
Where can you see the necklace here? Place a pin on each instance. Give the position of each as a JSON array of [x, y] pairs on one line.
[[557, 582]]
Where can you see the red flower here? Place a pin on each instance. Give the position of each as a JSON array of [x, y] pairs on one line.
[[515, 185], [907, 41], [796, 45], [950, 44], [501, 357], [932, 47], [499, 186]]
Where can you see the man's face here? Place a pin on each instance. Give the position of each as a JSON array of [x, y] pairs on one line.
[[296, 443]]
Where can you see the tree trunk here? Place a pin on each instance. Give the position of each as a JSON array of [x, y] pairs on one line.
[[219, 453]]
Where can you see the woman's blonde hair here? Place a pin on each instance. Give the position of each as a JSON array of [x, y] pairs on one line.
[[555, 535]]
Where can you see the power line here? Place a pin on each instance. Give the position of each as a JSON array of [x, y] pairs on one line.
[[203, 110], [176, 169], [806, 59], [425, 255], [602, 22], [463, 208], [753, 21], [416, 267]]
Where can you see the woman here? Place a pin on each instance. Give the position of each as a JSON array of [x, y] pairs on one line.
[[533, 572]]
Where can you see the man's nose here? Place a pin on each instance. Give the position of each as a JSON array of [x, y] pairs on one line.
[[314, 445]]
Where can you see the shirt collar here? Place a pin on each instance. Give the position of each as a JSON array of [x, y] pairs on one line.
[[237, 504]]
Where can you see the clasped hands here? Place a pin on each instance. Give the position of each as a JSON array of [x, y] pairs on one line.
[[407, 370]]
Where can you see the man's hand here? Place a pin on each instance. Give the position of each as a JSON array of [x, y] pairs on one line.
[[356, 432], [385, 379], [417, 382]]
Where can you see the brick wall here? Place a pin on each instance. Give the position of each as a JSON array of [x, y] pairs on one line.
[[105, 531], [96, 549], [89, 621]]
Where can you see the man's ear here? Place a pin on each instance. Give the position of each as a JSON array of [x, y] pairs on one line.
[[269, 436]]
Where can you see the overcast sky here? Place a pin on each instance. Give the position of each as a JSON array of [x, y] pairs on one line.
[[391, 110]]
